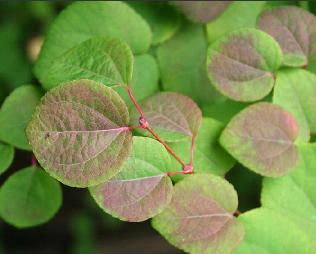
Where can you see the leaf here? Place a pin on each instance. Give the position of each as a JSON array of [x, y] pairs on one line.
[[29, 198], [109, 61], [106, 19], [297, 99], [295, 30], [141, 190], [239, 14], [6, 156], [241, 64], [79, 133], [202, 11], [16, 112], [162, 18], [262, 137], [173, 116], [199, 218]]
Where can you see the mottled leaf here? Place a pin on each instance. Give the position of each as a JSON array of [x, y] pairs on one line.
[[140, 190], [262, 137], [6, 156], [173, 116], [15, 114], [202, 11], [199, 218], [295, 30], [29, 197], [241, 65], [79, 133], [109, 61]]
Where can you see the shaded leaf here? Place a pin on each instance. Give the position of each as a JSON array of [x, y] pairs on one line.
[[29, 198], [6, 156], [79, 133], [140, 190], [199, 218], [262, 137], [241, 64]]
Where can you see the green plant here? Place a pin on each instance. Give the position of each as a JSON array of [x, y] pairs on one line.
[[104, 124]]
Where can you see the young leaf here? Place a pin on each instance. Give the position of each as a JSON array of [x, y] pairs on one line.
[[202, 11], [199, 218], [295, 30], [261, 137], [29, 198], [294, 91], [15, 114], [109, 61], [6, 156], [140, 190], [173, 116], [241, 65], [79, 133]]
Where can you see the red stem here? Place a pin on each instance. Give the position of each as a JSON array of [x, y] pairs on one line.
[[34, 161], [192, 150], [133, 99]]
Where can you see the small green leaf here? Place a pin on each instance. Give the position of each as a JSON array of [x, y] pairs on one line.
[[15, 114], [29, 198], [199, 218], [140, 190], [79, 133], [241, 65], [6, 156]]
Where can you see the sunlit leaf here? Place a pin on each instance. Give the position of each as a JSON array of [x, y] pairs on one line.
[[6, 156]]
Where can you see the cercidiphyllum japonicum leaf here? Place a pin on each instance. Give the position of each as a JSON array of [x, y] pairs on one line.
[[172, 115], [239, 14], [162, 18], [29, 197], [106, 19], [79, 133], [199, 218], [6, 156], [140, 190], [241, 65], [15, 114], [109, 61], [202, 11], [295, 30], [294, 90], [262, 137]]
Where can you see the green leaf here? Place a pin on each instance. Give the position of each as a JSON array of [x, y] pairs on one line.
[[293, 91], [79, 133], [109, 61], [106, 19], [15, 114], [199, 218], [6, 156], [240, 14], [141, 190], [29, 198], [241, 65], [162, 18], [262, 137]]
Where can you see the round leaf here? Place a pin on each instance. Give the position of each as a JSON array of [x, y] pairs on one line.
[[6, 156], [241, 65], [79, 133], [140, 190], [29, 198]]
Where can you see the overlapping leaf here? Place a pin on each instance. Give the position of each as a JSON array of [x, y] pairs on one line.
[[6, 156], [241, 65], [29, 198], [79, 133], [199, 218], [140, 190], [262, 138]]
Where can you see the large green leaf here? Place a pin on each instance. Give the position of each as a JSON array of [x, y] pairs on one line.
[[6, 156], [29, 198]]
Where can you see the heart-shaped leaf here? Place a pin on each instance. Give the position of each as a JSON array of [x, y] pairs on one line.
[[241, 65], [295, 30], [262, 137], [29, 197], [199, 218], [6, 156], [79, 133], [141, 189]]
